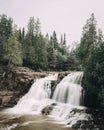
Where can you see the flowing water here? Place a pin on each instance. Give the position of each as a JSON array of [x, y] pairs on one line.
[[69, 90], [26, 115], [29, 122]]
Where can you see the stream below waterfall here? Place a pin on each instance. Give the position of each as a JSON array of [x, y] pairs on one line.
[[36, 111], [29, 122]]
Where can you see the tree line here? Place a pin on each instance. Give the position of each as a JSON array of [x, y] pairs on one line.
[[31, 48], [90, 59]]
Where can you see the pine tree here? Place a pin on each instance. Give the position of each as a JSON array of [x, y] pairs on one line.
[[5, 26], [89, 38], [61, 40], [64, 42], [13, 53], [41, 54], [54, 39], [5, 33], [3, 44], [37, 27], [31, 26], [28, 44], [23, 35], [92, 53], [52, 60]]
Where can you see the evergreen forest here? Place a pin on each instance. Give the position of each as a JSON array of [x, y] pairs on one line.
[[31, 48]]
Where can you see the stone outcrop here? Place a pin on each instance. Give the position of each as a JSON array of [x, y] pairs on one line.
[[14, 84], [94, 122], [61, 75], [47, 110]]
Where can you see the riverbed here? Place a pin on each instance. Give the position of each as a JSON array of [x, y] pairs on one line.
[[29, 122]]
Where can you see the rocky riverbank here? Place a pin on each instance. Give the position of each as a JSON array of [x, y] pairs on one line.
[[14, 84], [94, 119], [94, 122]]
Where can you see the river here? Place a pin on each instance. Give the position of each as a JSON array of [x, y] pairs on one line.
[[29, 122]]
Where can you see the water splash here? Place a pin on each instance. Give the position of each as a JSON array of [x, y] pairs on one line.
[[67, 97], [37, 97]]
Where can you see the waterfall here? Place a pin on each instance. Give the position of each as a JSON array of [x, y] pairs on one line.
[[37, 96], [66, 99], [69, 90]]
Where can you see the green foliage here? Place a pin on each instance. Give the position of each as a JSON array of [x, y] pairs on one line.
[[101, 97], [52, 61], [5, 32], [28, 51], [13, 52], [94, 75], [31, 48], [89, 38], [3, 43], [31, 26], [61, 59], [37, 27], [54, 40], [5, 26], [90, 56], [41, 53]]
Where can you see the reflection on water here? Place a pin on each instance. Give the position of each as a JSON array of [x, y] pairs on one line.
[[29, 122]]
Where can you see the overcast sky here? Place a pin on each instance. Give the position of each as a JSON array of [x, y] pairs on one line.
[[63, 16]]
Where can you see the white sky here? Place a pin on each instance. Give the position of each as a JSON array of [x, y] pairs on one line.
[[63, 16]]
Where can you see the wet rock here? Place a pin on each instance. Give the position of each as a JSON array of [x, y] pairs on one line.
[[84, 125], [0, 101], [95, 120], [54, 104], [8, 98], [53, 86], [61, 75], [47, 110], [12, 102], [15, 83]]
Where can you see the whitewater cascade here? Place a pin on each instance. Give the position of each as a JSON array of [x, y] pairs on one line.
[[66, 98], [37, 97], [69, 90]]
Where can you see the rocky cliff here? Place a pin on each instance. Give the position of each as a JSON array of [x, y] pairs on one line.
[[14, 84]]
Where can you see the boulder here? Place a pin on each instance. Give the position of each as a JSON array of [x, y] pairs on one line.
[[47, 110], [94, 122], [0, 101]]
